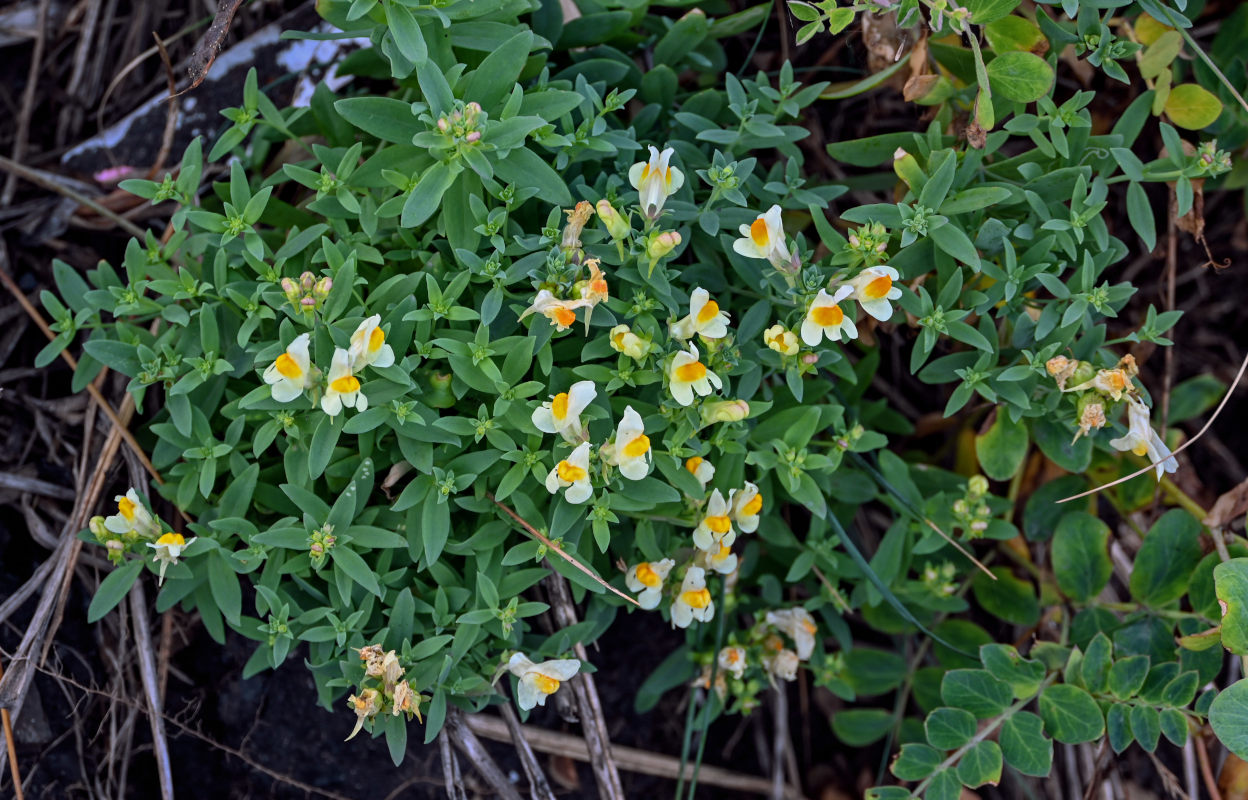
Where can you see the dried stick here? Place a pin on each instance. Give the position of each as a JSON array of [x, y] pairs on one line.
[[450, 767], [11, 744], [28, 101], [468, 744], [39, 179], [593, 721], [539, 788], [15, 601], [27, 485], [1206, 769], [630, 759], [151, 691], [780, 740]]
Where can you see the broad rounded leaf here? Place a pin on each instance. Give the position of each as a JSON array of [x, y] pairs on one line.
[[1192, 107], [1070, 714], [1025, 746], [1081, 555], [1002, 448], [976, 691], [859, 727], [981, 764], [1229, 717], [949, 728], [1164, 563], [1021, 77], [1230, 583]]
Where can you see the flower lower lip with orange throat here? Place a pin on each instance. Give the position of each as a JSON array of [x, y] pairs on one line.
[[764, 238], [343, 388], [826, 318], [292, 372]]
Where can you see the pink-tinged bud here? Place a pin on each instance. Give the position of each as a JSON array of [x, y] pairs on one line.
[[474, 107], [289, 286], [853, 240], [96, 526], [306, 281], [881, 247], [443, 125], [329, 541], [475, 136], [308, 302], [810, 359], [663, 244], [322, 288], [617, 226], [725, 411], [317, 550]]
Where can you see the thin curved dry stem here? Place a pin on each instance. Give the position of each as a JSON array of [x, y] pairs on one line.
[[1234, 384], [536, 534]]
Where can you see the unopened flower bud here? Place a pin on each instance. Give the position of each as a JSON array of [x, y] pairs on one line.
[[308, 302], [321, 291], [307, 281], [623, 340], [781, 340], [291, 290], [474, 136], [474, 107], [617, 225], [96, 526], [810, 359], [661, 244], [725, 411], [115, 545], [977, 486], [443, 125], [907, 168]]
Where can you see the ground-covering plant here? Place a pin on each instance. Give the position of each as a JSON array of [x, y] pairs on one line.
[[563, 295]]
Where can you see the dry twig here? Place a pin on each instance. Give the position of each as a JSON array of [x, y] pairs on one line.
[[151, 689], [468, 744], [11, 745], [539, 788]]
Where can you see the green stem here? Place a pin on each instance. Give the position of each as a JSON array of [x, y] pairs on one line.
[[1181, 499], [710, 689]]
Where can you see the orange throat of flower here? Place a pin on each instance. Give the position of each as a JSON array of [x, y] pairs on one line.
[[697, 598], [559, 406], [345, 385], [708, 312], [570, 473], [546, 684], [287, 367], [692, 372], [719, 524], [647, 575], [637, 447], [878, 288], [827, 316]]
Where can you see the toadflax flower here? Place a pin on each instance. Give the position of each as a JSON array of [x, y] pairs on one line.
[[365, 706], [1112, 382], [368, 346], [1142, 440], [704, 318], [701, 469], [132, 517], [782, 664], [798, 625], [764, 238], [732, 660], [539, 681], [721, 560], [291, 373], [344, 387], [715, 528], [561, 313], [647, 578], [688, 375], [631, 449], [572, 475], [825, 318], [873, 288], [746, 504], [562, 413], [781, 339], [168, 549], [655, 180], [694, 600], [623, 340]]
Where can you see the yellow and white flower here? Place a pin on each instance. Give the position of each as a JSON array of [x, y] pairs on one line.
[[694, 600], [781, 339], [561, 313], [562, 413], [631, 449], [1142, 440], [291, 373], [704, 318], [168, 549], [701, 469], [721, 559], [539, 681], [655, 180], [687, 375], [764, 238], [368, 346], [873, 289], [648, 578], [798, 625], [572, 475], [132, 517], [344, 387], [623, 340], [715, 528], [732, 661], [746, 504], [826, 318], [1113, 382]]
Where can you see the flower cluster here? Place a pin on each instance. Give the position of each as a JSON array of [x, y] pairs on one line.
[[1097, 393], [133, 525], [760, 654], [383, 689], [292, 373]]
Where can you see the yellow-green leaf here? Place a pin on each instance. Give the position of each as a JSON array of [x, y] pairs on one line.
[[1192, 107]]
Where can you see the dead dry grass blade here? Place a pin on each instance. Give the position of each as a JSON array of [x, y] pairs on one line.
[[468, 744], [10, 744], [28, 101], [539, 787], [151, 688], [42, 180], [630, 759], [206, 51], [536, 534], [1230, 391]]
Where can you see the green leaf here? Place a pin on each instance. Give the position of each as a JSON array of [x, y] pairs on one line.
[[1160, 54], [1042, 512], [1165, 561], [1192, 107], [682, 38], [859, 727], [1195, 396], [223, 581], [954, 241], [916, 761], [356, 569], [1004, 662], [527, 170], [1229, 717], [1055, 441], [492, 81], [1003, 447], [981, 764], [986, 11], [1230, 584], [1140, 215], [1070, 714], [944, 786], [1118, 727], [1019, 76], [1127, 675], [949, 728], [113, 589], [1024, 745], [1146, 726], [324, 439], [386, 118], [975, 690], [1174, 726], [1081, 556], [411, 42], [426, 196], [1009, 597], [1097, 659], [1013, 33]]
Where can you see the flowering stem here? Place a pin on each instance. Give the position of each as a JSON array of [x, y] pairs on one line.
[[710, 690]]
